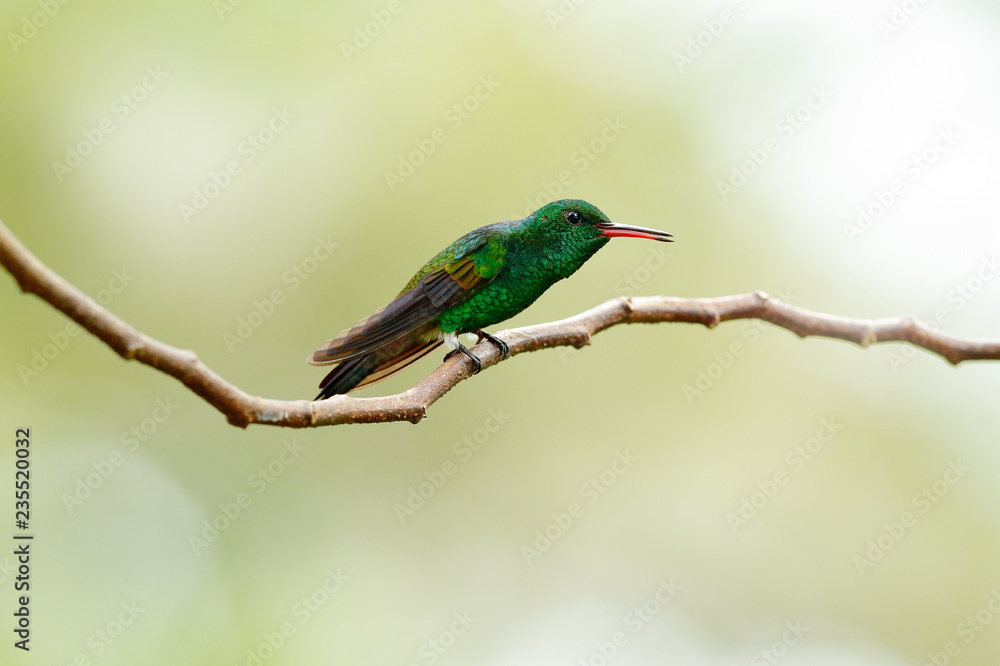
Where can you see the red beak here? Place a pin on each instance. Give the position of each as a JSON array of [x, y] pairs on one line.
[[612, 230]]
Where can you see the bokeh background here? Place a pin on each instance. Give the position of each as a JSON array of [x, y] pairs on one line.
[[198, 164]]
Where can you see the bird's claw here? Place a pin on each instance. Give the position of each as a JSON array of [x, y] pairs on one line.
[[465, 350], [504, 348]]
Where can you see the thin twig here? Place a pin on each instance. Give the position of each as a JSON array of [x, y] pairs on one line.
[[242, 409]]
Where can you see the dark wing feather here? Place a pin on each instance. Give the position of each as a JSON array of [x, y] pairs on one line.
[[397, 363], [433, 294]]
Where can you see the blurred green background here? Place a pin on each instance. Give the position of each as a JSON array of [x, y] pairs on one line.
[[191, 163]]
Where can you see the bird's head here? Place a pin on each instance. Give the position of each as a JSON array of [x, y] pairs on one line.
[[565, 233], [572, 222]]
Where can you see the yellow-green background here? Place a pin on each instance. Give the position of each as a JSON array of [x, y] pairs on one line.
[[567, 412]]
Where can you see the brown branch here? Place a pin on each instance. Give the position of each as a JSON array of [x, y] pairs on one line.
[[242, 409]]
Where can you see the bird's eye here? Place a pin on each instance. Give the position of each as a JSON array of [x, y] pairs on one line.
[[573, 217]]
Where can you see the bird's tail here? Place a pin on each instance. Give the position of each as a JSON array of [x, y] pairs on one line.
[[366, 369]]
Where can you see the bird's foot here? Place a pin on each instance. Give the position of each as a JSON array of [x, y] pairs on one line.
[[465, 350], [504, 349]]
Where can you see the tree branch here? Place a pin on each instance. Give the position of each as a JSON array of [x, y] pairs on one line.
[[242, 409]]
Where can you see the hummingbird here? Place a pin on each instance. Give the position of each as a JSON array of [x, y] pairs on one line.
[[488, 275]]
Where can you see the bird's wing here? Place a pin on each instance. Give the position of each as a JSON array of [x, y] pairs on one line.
[[437, 287]]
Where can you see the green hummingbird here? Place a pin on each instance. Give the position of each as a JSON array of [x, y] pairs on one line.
[[488, 275]]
